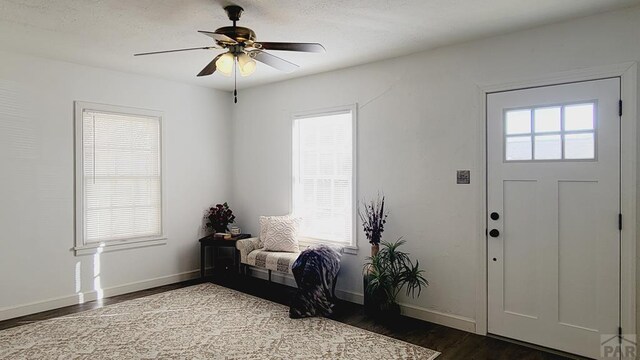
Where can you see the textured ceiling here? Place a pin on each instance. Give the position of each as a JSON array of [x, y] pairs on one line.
[[106, 33]]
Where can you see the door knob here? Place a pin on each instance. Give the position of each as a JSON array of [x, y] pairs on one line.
[[494, 233], [495, 216]]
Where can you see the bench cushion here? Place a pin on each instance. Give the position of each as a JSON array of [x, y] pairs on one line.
[[253, 254], [272, 260]]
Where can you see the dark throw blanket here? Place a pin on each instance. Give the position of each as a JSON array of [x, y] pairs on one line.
[[316, 272]]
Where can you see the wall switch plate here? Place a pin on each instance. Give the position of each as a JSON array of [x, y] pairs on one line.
[[463, 177]]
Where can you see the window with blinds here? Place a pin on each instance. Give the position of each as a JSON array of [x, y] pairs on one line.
[[323, 175], [119, 174]]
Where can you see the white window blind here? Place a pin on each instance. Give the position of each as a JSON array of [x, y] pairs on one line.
[[323, 176], [121, 176]]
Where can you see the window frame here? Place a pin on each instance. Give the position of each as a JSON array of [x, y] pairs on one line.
[[81, 246], [352, 246], [562, 132]]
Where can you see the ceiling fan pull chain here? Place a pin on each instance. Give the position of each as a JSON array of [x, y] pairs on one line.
[[235, 18], [235, 82]]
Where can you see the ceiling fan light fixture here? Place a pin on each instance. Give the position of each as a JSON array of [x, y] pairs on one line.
[[246, 64], [225, 64]]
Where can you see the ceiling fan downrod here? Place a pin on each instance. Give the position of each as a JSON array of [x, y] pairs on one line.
[[234, 12]]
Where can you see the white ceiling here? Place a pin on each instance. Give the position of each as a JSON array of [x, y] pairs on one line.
[[106, 33]]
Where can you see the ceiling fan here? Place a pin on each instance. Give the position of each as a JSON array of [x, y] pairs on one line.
[[243, 49]]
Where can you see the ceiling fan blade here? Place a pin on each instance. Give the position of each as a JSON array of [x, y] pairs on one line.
[[210, 68], [273, 61], [218, 37], [176, 50], [286, 46]]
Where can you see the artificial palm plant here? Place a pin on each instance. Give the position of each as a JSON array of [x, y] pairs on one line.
[[388, 272]]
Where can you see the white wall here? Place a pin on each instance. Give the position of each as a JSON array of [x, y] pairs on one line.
[[37, 263], [418, 124]]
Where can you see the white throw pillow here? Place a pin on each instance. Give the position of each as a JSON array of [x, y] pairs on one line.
[[282, 234], [264, 226]]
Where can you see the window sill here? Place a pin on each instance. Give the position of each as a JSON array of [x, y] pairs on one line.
[[96, 248], [353, 250], [347, 249]]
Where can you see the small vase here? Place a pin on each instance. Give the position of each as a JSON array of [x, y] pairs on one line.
[[375, 248], [220, 229]]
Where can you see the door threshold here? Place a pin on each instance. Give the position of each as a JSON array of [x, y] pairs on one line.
[[538, 347]]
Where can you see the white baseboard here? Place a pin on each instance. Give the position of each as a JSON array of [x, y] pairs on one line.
[[450, 320], [436, 317], [288, 279], [350, 296], [58, 302]]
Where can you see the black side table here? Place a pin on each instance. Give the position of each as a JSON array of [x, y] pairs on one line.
[[216, 243]]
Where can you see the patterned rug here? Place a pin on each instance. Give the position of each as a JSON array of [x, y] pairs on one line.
[[205, 321]]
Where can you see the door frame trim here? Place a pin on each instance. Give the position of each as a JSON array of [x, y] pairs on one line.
[[628, 73]]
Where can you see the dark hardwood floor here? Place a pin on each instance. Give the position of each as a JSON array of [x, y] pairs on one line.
[[452, 343]]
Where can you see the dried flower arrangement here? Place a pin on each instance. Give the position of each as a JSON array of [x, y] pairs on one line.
[[219, 217], [373, 218]]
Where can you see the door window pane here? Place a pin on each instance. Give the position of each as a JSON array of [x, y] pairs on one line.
[[518, 122], [548, 147], [578, 117], [579, 146], [551, 132], [547, 119], [519, 148]]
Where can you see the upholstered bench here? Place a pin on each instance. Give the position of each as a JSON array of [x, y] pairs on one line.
[[252, 254]]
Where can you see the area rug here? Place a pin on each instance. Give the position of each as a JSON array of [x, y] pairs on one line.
[[205, 321]]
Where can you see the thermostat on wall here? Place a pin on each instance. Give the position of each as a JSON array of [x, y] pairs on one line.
[[464, 176]]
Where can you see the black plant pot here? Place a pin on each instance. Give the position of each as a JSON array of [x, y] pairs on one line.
[[376, 303], [389, 313], [371, 301]]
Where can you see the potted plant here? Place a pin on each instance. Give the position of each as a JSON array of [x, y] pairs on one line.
[[219, 217], [373, 218], [387, 273]]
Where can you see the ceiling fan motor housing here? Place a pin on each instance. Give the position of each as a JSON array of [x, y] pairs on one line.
[[238, 33]]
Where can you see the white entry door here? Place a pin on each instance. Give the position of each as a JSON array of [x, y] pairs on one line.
[[553, 201]]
